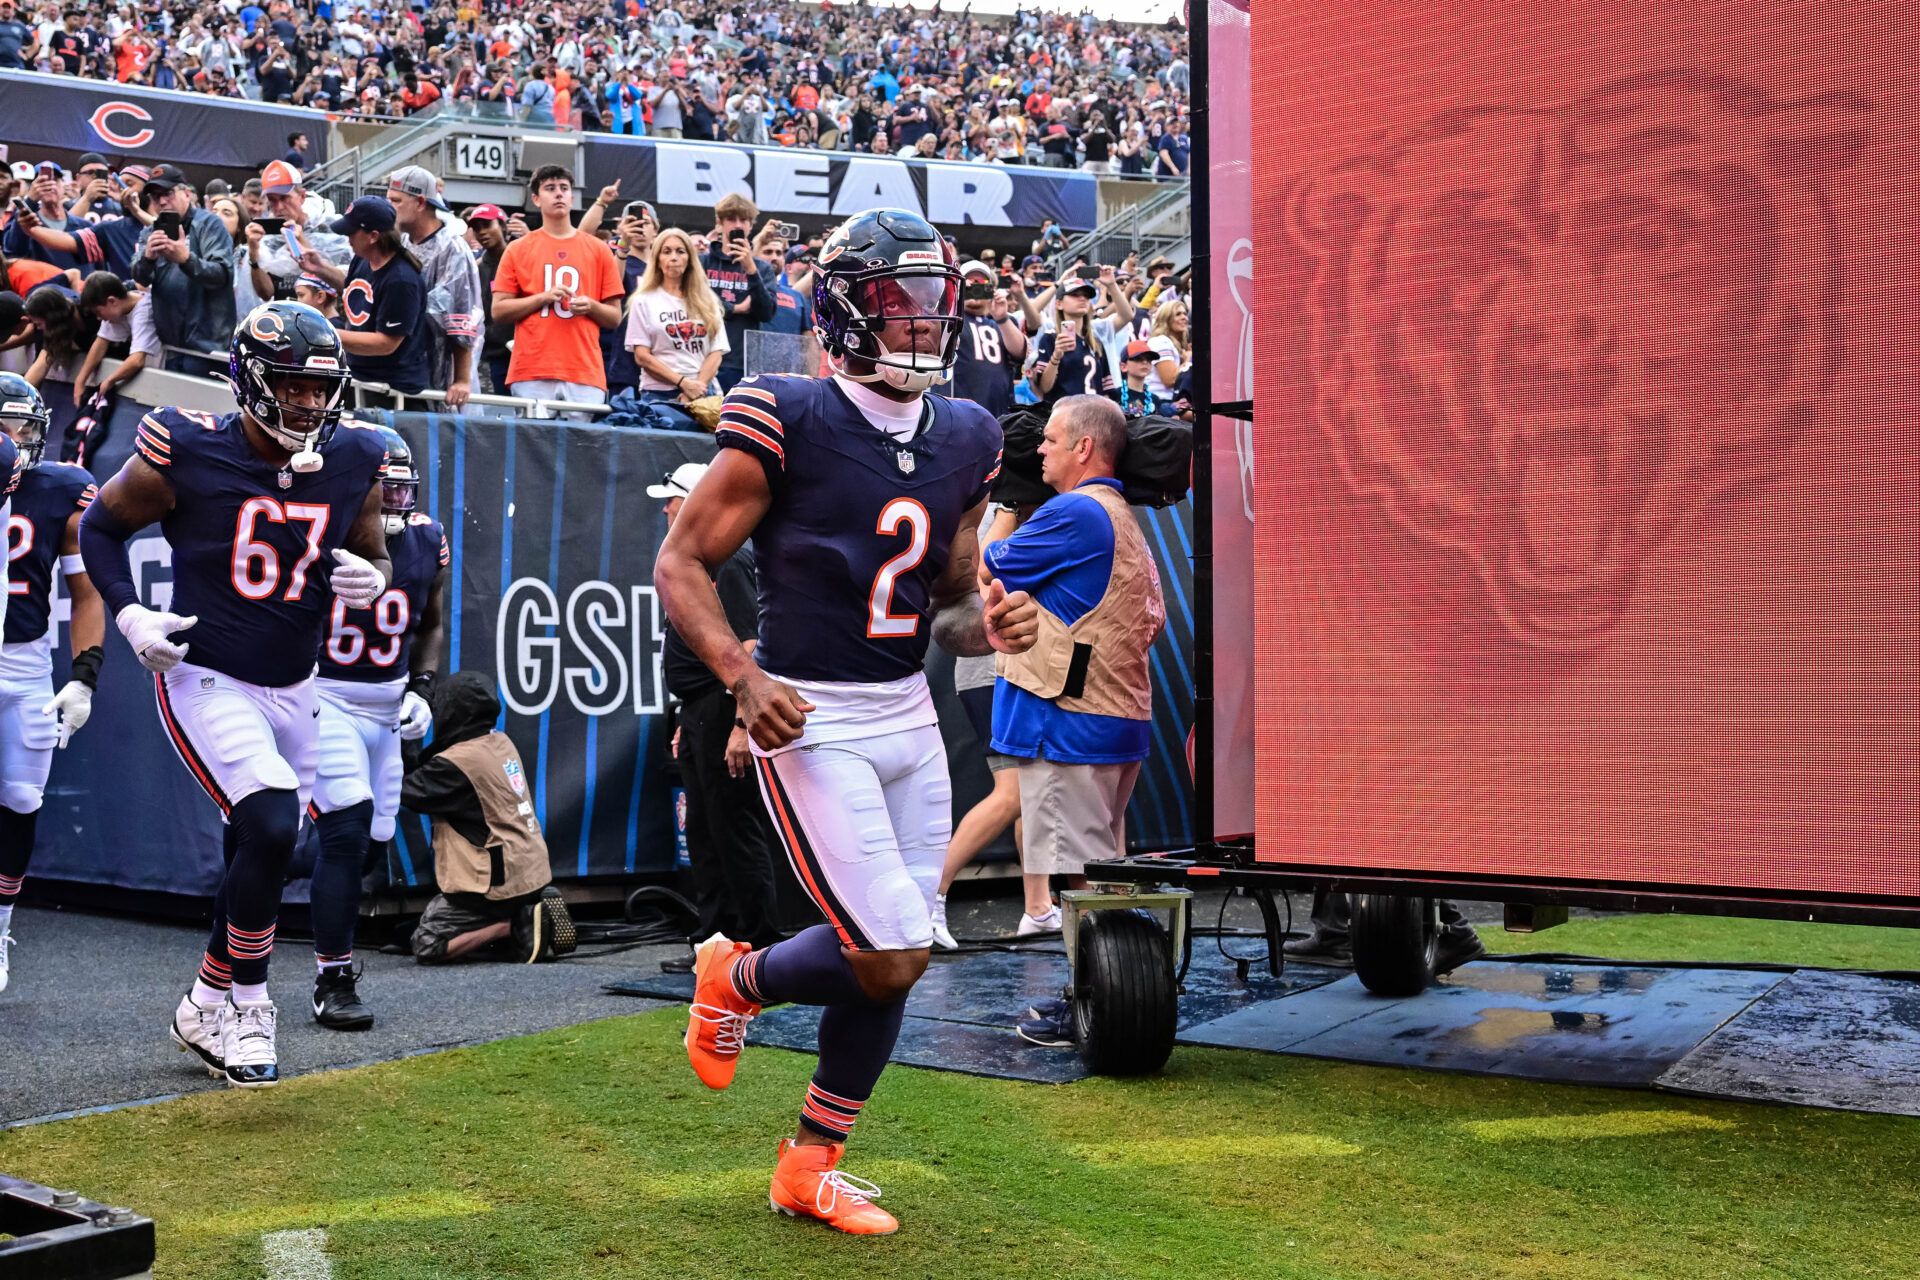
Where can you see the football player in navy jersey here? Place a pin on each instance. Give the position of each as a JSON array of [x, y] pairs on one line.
[[377, 670], [41, 514], [272, 513], [863, 496]]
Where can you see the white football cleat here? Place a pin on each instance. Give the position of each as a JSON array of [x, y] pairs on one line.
[[6, 941], [252, 1062], [942, 936], [197, 1030]]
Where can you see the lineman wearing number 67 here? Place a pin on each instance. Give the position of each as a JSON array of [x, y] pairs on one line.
[[273, 513], [863, 496]]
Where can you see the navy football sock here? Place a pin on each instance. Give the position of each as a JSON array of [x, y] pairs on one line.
[[808, 968], [855, 1042], [343, 838], [265, 825], [16, 849], [216, 966]]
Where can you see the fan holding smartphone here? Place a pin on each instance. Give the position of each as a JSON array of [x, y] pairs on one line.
[[186, 259]]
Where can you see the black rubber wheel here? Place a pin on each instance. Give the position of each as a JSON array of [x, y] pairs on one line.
[[1394, 943], [1123, 1005]]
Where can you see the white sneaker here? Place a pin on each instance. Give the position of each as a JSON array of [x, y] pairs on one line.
[[1031, 925], [247, 1041], [6, 941], [942, 938], [197, 1030]]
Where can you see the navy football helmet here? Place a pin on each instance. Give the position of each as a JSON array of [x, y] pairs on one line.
[[878, 267], [289, 339], [24, 416], [400, 489]]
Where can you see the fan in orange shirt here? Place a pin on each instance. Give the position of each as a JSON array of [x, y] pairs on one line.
[[558, 289]]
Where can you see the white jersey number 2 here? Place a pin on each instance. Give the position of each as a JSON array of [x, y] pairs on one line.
[[882, 622]]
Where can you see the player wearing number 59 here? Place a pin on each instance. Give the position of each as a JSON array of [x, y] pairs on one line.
[[863, 496], [377, 671], [558, 289], [273, 513]]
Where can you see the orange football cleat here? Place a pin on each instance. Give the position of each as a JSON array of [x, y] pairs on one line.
[[718, 1018], [806, 1185]]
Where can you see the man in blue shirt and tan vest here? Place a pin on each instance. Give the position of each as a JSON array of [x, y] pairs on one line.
[[1077, 708]]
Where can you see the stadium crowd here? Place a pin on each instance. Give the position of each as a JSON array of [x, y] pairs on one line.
[[657, 322], [1040, 88]]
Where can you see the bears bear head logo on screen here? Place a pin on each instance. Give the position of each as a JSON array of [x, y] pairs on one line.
[[1547, 339]]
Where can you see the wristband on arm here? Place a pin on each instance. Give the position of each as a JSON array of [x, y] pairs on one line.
[[86, 666]]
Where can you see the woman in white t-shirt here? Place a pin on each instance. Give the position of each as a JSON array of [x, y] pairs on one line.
[[1172, 348], [675, 328]]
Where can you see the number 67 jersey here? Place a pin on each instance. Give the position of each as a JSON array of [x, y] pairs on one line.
[[252, 542], [860, 527]]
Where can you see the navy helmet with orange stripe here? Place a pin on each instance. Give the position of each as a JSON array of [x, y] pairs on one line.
[[279, 341], [888, 268], [24, 417], [399, 483]]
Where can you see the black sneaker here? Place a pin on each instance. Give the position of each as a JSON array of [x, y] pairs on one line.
[[336, 1000], [1456, 949], [1320, 947], [543, 930]]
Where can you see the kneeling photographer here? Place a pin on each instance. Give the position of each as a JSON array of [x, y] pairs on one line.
[[489, 856]]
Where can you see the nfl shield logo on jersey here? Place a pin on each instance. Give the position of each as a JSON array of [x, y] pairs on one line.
[[286, 478], [905, 458], [514, 777]]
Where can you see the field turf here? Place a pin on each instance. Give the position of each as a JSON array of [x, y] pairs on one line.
[[591, 1152]]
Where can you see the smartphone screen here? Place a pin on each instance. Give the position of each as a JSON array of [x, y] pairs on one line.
[[271, 226]]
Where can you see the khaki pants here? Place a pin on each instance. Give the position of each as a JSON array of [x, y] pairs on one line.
[[1074, 814]]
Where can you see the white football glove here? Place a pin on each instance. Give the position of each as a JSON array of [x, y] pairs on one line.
[[355, 580], [148, 631], [416, 717], [70, 707]]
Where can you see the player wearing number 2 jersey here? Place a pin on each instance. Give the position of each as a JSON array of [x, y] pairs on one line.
[[377, 670], [272, 514], [863, 496], [41, 524]]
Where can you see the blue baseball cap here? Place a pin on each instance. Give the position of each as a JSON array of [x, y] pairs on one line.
[[368, 213]]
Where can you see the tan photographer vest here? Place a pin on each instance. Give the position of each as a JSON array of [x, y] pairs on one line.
[[1098, 665], [514, 861]]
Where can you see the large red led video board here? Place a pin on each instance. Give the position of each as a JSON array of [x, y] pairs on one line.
[[1587, 475]]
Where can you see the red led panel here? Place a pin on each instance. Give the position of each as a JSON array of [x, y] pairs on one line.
[[1587, 464]]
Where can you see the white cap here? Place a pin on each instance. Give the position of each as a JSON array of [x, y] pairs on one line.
[[680, 481], [23, 171], [973, 265]]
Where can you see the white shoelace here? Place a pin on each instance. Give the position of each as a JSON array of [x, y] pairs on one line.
[[834, 1184], [252, 1038], [730, 1028]]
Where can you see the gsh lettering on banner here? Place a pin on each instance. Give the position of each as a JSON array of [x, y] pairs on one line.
[[602, 649]]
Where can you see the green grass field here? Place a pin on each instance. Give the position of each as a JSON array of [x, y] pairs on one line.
[[1712, 938], [591, 1152]]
